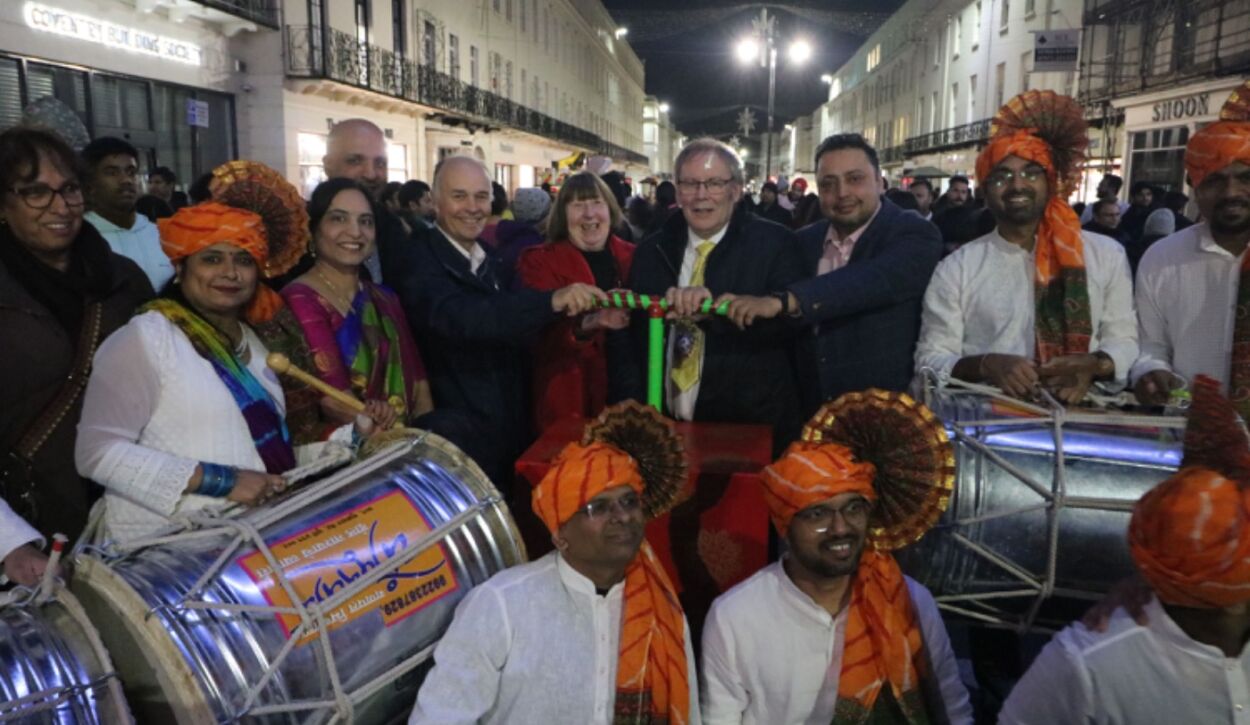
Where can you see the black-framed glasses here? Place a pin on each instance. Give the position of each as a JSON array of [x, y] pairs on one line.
[[1003, 177], [713, 186], [601, 508], [854, 513], [40, 196]]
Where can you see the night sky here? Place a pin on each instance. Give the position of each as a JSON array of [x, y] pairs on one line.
[[688, 47]]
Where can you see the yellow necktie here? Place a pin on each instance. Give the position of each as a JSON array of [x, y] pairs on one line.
[[688, 346]]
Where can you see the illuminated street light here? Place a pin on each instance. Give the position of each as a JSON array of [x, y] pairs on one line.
[[621, 33], [826, 78], [762, 44], [663, 108], [800, 52], [748, 50]]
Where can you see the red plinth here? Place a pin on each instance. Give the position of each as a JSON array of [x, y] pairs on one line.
[[716, 535]]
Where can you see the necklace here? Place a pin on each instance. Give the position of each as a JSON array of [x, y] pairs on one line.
[[334, 290]]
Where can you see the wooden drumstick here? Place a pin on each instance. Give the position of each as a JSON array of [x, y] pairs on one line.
[[281, 365]]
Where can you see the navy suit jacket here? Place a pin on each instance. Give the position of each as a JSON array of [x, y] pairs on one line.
[[866, 314]]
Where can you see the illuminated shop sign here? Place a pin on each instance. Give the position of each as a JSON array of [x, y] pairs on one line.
[[102, 32]]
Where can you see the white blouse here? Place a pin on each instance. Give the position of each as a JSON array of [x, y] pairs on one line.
[[154, 410]]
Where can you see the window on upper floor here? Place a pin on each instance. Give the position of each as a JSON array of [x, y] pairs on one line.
[[959, 36], [1000, 78], [874, 57], [1002, 21], [521, 11], [399, 35], [497, 4], [977, 22], [429, 49], [474, 75], [507, 10], [1030, 8], [453, 56]]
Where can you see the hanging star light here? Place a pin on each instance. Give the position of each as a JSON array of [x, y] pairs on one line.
[[746, 121]]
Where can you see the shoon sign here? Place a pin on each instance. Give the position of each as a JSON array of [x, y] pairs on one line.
[[91, 30], [1178, 108]]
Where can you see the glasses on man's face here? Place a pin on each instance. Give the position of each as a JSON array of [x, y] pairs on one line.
[[601, 508], [855, 514], [1003, 177], [712, 186], [40, 196]]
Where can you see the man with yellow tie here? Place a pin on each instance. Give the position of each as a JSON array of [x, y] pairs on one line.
[[713, 371]]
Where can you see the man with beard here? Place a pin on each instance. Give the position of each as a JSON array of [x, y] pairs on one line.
[[112, 173], [833, 632], [1191, 284], [1142, 203], [1037, 301], [923, 191], [590, 633]]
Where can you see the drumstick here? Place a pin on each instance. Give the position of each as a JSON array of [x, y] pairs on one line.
[[281, 364]]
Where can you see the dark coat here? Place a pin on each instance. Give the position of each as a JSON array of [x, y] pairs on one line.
[[472, 335], [749, 376], [38, 355], [867, 314]]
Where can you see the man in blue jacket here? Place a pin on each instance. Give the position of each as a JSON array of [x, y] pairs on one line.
[[868, 265]]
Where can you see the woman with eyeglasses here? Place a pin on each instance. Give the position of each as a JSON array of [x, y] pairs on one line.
[[570, 359], [62, 292]]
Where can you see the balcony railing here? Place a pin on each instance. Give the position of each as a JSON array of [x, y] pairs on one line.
[[264, 12], [892, 155], [964, 135], [337, 56]]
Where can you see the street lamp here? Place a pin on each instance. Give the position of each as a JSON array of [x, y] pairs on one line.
[[663, 108], [762, 44], [621, 33]]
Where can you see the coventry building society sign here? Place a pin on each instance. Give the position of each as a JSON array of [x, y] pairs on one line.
[[101, 32]]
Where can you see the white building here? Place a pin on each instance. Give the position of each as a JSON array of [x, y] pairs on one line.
[[661, 138]]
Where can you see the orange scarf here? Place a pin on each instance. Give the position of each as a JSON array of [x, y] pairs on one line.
[[884, 650], [1062, 319], [652, 684]]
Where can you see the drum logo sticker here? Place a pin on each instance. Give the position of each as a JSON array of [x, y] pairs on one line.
[[335, 553]]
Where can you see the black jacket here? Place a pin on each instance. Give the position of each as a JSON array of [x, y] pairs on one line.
[[866, 314], [748, 376]]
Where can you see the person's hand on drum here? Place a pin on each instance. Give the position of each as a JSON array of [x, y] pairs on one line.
[[26, 565], [1068, 377], [1156, 386], [253, 488], [1014, 375], [377, 416], [1133, 594]]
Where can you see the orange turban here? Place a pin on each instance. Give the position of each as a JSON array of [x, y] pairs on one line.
[[194, 228], [652, 677], [1190, 537], [809, 473], [1215, 147]]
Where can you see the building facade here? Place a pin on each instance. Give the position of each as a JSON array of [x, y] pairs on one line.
[[661, 138]]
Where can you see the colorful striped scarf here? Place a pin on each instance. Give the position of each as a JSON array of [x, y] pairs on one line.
[[264, 420], [370, 345]]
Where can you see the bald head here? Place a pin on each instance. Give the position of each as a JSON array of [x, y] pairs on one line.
[[462, 197], [356, 149]]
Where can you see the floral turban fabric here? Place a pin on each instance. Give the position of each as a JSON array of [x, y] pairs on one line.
[[195, 228], [652, 676]]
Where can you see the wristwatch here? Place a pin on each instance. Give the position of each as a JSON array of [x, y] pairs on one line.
[[784, 297]]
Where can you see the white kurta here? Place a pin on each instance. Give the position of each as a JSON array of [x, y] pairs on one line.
[[14, 531], [153, 411], [771, 654], [533, 644], [1186, 303], [980, 300], [1131, 675]]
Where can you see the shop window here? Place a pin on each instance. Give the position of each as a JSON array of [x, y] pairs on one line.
[[396, 162], [10, 93], [1158, 156], [65, 84]]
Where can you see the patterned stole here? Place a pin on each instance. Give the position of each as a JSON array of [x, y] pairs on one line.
[[264, 421], [1062, 321], [369, 344], [1239, 367]]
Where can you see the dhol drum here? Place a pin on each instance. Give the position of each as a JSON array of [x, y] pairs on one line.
[[322, 607], [1038, 517], [53, 666]]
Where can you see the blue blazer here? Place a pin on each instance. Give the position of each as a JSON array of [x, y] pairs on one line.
[[866, 315]]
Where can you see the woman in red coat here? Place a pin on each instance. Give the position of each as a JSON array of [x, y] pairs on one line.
[[570, 362]]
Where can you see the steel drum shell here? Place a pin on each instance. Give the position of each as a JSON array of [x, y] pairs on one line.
[[57, 640], [194, 666], [1106, 469]]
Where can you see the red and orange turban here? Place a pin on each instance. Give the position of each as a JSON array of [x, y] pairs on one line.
[[1215, 147], [194, 228], [652, 676], [809, 473]]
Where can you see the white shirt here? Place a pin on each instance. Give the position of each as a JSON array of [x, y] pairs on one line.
[[141, 243], [1152, 675], [771, 654], [1186, 303], [980, 300], [534, 645], [153, 410], [681, 404], [476, 255], [14, 532]]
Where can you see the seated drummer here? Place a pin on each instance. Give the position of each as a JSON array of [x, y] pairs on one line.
[[1186, 660], [590, 633], [1038, 302], [833, 632], [181, 412]]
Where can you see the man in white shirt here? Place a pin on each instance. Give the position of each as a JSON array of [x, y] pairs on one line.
[[833, 632], [1038, 301], [112, 190], [591, 633], [20, 548], [1190, 662], [1190, 284]]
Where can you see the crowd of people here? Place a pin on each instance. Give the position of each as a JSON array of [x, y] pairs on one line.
[[140, 348]]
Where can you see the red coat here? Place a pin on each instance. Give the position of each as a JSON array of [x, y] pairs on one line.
[[570, 373]]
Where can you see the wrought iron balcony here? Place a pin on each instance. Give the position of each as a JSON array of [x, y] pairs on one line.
[[264, 12], [337, 56], [952, 137], [892, 155]]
